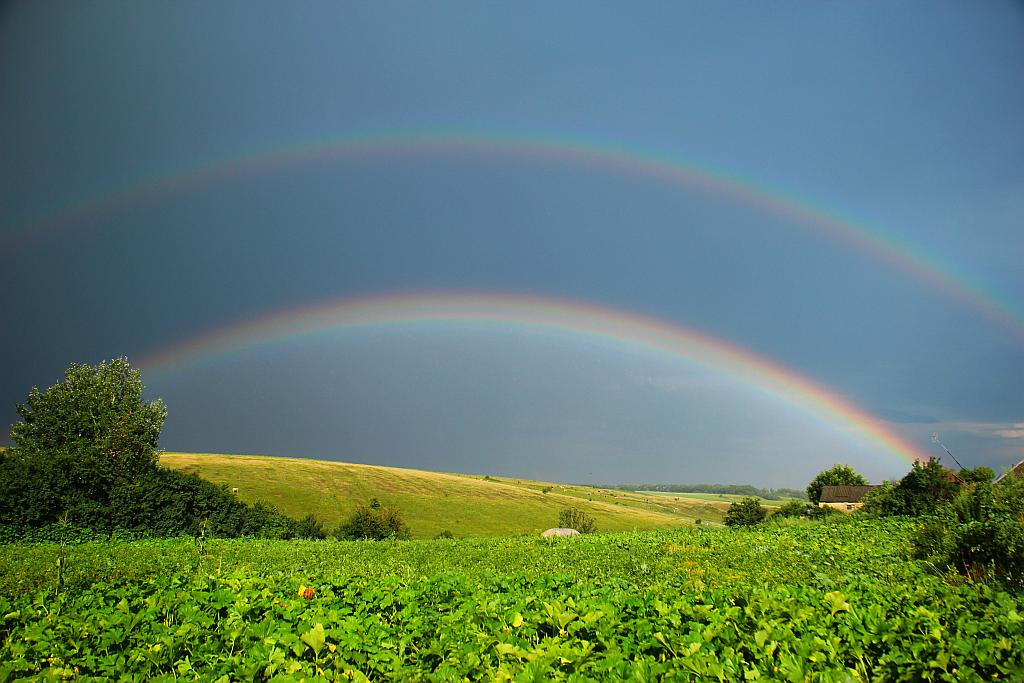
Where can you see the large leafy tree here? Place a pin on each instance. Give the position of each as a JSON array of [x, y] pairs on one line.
[[76, 441], [96, 412], [838, 475], [925, 487], [86, 450]]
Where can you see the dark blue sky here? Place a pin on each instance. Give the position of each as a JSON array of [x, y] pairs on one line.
[[900, 117]]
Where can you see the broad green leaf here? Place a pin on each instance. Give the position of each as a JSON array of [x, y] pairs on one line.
[[315, 638]]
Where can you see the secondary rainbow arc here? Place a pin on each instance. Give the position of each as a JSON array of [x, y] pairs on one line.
[[619, 326], [902, 257]]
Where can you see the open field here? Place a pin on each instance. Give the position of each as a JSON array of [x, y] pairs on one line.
[[727, 498], [692, 507], [430, 502], [836, 601]]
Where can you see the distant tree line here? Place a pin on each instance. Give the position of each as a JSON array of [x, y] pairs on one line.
[[727, 489], [84, 456]]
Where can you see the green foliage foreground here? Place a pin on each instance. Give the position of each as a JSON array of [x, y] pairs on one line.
[[980, 533], [823, 602]]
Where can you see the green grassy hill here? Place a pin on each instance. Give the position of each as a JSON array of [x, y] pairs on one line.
[[469, 506], [710, 510]]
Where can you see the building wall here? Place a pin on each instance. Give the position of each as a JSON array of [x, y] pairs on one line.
[[844, 507]]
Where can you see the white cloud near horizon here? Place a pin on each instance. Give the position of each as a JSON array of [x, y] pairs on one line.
[[1016, 431]]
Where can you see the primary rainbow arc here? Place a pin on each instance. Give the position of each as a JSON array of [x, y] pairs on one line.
[[619, 326]]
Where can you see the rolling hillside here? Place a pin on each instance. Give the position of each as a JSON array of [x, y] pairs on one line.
[[430, 502]]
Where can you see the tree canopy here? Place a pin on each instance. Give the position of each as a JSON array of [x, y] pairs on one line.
[[76, 443], [838, 475], [85, 450], [920, 492], [97, 413], [746, 512], [976, 475]]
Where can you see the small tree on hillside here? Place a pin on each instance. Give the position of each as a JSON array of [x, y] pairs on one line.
[[839, 475], [746, 512], [373, 522], [573, 518]]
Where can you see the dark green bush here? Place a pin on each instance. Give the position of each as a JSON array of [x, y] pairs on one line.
[[51, 533], [310, 528], [884, 501], [924, 489], [794, 508], [373, 522], [976, 475], [823, 512], [979, 533], [746, 512], [574, 518]]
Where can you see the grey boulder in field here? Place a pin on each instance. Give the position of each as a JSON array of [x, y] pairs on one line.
[[560, 532]]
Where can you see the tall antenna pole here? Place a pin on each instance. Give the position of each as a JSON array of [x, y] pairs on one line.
[[935, 439]]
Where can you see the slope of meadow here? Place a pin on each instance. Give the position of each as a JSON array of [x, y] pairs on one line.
[[692, 507], [430, 502]]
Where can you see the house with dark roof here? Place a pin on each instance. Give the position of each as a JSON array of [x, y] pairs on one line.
[[845, 498], [954, 478], [1015, 471]]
